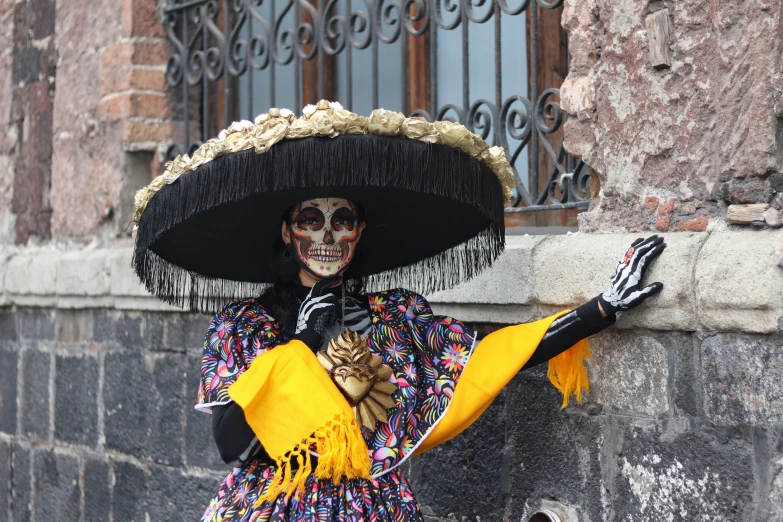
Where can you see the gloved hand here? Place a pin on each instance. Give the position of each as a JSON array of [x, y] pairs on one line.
[[316, 313], [625, 292]]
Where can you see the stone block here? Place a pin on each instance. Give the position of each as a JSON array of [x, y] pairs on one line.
[[467, 475], [488, 313], [775, 499], [200, 449], [8, 386], [144, 405], [552, 454], [629, 373], [507, 282], [185, 332], [4, 256], [118, 329], [175, 495], [8, 330], [571, 270], [83, 273], [577, 97], [685, 373], [74, 327], [57, 489], [36, 370], [123, 281], [5, 476], [76, 399], [687, 476], [129, 492], [154, 332], [33, 272], [97, 492], [35, 324], [742, 376], [21, 484], [739, 285]]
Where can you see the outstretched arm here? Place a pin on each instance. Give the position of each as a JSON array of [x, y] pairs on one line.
[[623, 294], [568, 330]]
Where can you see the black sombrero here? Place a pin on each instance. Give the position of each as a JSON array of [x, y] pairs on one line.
[[208, 229]]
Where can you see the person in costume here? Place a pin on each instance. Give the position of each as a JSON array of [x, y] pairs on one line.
[[322, 385]]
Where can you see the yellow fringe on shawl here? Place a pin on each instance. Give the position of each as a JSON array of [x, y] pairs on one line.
[[293, 407], [568, 374]]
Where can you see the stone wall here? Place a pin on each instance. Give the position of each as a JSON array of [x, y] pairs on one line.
[[674, 146], [685, 417], [96, 417]]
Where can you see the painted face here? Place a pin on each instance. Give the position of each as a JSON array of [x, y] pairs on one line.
[[325, 232]]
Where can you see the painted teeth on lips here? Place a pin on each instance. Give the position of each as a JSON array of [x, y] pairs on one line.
[[324, 255]]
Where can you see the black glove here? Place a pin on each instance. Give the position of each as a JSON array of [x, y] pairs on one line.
[[316, 313], [625, 292]]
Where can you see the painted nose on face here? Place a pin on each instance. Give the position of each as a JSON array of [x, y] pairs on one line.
[[328, 238]]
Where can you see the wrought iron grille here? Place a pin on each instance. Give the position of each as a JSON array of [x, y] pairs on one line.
[[235, 58]]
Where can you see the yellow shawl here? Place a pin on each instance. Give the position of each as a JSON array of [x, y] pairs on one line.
[[294, 408]]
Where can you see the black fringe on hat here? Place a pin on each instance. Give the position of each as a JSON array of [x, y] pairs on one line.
[[434, 217]]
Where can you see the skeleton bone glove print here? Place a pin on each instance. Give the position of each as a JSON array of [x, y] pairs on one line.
[[625, 291], [316, 313]]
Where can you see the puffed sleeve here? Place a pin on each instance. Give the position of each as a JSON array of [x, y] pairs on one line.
[[238, 333]]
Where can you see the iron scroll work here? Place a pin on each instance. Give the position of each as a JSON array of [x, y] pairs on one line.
[[216, 40]]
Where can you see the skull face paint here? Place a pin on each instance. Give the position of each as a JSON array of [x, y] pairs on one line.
[[324, 233]]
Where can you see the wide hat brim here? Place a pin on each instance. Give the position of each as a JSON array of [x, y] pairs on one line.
[[434, 217]]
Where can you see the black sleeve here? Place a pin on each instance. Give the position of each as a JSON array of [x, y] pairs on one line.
[[234, 437], [569, 329]]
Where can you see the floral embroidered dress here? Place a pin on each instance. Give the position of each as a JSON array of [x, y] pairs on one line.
[[426, 353]]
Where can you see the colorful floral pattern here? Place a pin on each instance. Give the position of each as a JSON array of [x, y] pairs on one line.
[[427, 354], [386, 499]]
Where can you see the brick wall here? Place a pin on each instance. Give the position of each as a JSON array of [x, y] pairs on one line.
[[27, 68]]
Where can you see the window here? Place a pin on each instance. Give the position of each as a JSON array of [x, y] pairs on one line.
[[493, 65]]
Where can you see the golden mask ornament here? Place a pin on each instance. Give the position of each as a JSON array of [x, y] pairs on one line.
[[360, 376]]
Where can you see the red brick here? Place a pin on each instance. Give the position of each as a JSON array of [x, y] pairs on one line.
[[140, 18], [148, 79], [116, 79], [651, 203], [662, 223], [151, 53], [155, 52], [132, 104], [698, 224], [667, 208], [39, 100], [142, 130]]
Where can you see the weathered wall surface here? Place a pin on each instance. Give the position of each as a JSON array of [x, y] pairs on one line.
[[96, 417], [674, 146], [685, 417]]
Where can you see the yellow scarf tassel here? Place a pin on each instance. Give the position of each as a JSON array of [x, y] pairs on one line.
[[568, 374], [342, 453]]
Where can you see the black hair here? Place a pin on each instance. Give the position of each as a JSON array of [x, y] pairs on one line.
[[281, 300]]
